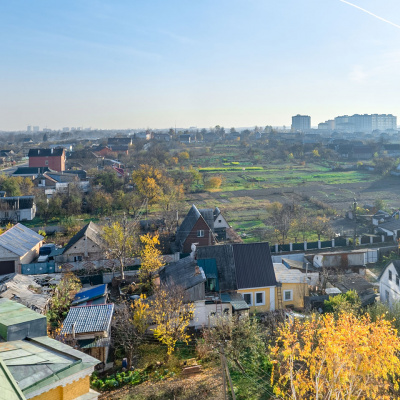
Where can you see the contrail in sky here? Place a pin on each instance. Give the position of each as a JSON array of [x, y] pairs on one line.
[[370, 13]]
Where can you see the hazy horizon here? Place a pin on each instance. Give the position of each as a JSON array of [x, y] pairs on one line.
[[124, 64]]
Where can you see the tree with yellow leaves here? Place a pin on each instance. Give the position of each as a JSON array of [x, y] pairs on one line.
[[171, 314], [120, 242], [149, 182], [150, 257], [343, 358]]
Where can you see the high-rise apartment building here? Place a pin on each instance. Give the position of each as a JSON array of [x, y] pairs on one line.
[[301, 123], [365, 123]]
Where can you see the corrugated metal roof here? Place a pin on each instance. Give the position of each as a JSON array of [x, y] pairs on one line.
[[20, 239], [241, 266], [236, 300], [91, 293], [254, 266], [88, 319]]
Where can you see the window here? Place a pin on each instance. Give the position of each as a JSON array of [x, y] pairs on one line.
[[77, 258], [46, 162], [211, 284], [260, 299], [397, 280], [387, 296], [288, 295], [226, 310], [390, 275], [200, 233], [220, 220], [248, 298]]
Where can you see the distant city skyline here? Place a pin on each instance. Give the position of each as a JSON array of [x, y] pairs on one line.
[[234, 63]]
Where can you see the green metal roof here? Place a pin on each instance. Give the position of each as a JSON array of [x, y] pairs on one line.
[[8, 387], [13, 313], [39, 362]]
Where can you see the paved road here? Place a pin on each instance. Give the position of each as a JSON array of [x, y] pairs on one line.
[[11, 170]]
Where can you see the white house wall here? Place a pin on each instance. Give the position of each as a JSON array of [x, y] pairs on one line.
[[389, 287]]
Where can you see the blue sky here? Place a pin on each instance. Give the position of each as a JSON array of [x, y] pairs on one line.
[[137, 64]]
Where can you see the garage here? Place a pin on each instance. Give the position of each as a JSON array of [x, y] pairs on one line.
[[7, 267]]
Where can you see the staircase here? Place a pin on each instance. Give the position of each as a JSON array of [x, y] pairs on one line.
[[279, 302]]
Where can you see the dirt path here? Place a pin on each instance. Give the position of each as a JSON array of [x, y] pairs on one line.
[[204, 386]]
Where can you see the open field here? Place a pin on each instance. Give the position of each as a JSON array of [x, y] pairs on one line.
[[250, 184]]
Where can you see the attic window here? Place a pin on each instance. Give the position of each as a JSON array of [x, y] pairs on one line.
[[397, 280], [390, 275], [220, 220], [200, 233]]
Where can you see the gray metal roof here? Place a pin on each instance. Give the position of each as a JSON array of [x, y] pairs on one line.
[[241, 266], [254, 266], [184, 273], [187, 224], [208, 215], [96, 318], [20, 239]]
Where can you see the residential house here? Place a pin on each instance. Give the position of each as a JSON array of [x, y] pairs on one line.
[[28, 172], [389, 283], [391, 228], [51, 158], [247, 269], [17, 208], [243, 268], [203, 227], [87, 244], [194, 230], [90, 326], [33, 366], [292, 286], [18, 245], [188, 275]]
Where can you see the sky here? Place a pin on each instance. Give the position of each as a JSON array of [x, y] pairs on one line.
[[156, 63]]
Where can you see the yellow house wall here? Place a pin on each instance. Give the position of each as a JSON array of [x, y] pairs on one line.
[[299, 290], [68, 392], [262, 308]]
